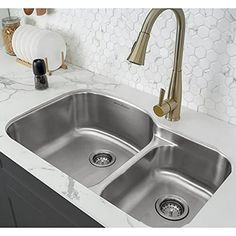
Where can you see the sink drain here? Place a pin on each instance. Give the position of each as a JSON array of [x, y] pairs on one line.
[[102, 158], [172, 207]]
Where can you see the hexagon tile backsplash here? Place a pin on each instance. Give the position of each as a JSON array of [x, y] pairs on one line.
[[100, 40]]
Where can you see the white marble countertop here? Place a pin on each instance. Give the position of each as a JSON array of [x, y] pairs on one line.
[[17, 95]]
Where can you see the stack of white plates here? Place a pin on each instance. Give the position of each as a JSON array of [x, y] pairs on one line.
[[29, 43]]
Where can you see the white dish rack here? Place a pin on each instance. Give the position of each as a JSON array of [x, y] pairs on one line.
[[30, 42]]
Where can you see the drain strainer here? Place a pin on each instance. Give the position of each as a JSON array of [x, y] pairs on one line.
[[102, 158], [172, 207]]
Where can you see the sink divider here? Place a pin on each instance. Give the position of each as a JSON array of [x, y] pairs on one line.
[[155, 143]]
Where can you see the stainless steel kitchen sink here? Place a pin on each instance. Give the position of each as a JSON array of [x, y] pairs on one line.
[[86, 135], [165, 178], [171, 183]]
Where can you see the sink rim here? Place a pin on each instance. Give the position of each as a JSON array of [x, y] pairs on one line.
[[155, 121]]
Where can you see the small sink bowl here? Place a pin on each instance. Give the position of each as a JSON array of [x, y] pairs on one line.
[[86, 135], [170, 184]]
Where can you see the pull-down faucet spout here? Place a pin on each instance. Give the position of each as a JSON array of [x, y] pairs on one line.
[[172, 105]]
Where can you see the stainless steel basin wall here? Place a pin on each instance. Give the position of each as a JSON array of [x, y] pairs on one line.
[[41, 126], [82, 110], [207, 169], [203, 164], [115, 117]]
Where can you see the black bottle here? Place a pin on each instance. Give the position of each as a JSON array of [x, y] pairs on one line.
[[40, 78]]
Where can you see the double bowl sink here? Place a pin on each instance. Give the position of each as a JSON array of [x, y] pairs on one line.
[[165, 179]]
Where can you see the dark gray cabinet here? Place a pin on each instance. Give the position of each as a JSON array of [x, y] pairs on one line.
[[27, 202], [6, 216]]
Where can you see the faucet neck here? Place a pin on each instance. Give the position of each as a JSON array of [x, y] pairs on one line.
[[180, 32]]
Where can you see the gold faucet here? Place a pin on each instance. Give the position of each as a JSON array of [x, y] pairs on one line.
[[171, 106]]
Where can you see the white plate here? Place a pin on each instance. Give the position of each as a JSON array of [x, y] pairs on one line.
[[33, 41], [23, 39], [17, 39], [26, 42], [50, 45], [34, 45]]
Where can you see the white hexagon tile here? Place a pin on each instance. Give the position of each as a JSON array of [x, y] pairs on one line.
[[100, 40]]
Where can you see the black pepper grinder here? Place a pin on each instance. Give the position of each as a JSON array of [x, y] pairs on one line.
[[40, 78]]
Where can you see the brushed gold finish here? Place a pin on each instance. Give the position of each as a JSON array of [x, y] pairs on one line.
[[138, 51], [63, 65], [162, 95], [28, 64], [137, 56], [23, 62], [165, 108], [47, 68], [161, 110]]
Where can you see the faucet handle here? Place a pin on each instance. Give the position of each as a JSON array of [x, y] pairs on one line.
[[162, 95]]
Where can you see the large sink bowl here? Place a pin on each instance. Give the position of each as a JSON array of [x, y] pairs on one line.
[[84, 134], [170, 184]]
